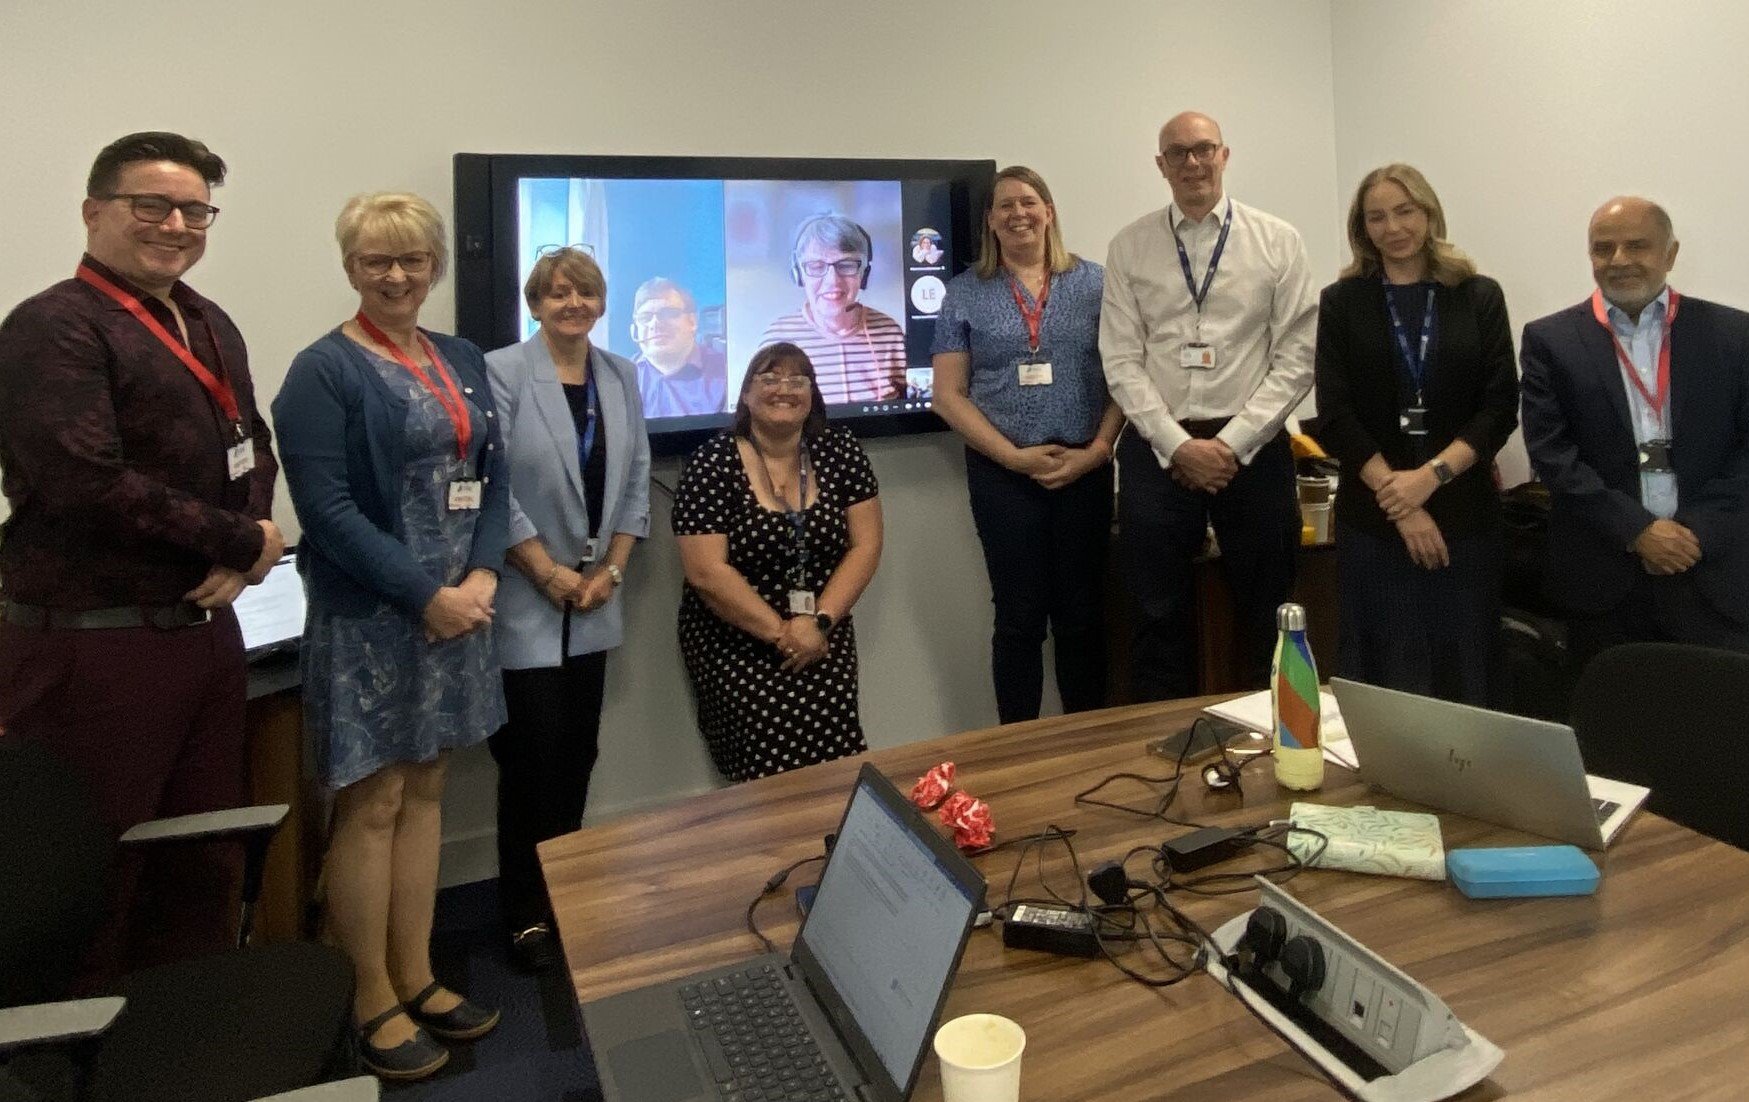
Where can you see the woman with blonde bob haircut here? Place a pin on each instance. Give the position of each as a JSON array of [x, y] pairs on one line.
[[1018, 375], [390, 447], [1416, 393]]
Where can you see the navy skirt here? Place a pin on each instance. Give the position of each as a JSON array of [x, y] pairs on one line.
[[1432, 632]]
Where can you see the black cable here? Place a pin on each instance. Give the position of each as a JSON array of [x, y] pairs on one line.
[[771, 886]]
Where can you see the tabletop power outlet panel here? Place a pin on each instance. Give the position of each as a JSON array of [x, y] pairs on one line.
[[1366, 1023]]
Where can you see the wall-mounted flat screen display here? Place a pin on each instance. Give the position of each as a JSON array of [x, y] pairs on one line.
[[707, 260]]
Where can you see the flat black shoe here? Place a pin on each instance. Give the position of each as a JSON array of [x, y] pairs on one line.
[[462, 1022], [535, 949], [414, 1059]]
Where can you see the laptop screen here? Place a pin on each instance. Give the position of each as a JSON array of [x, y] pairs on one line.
[[886, 929], [272, 613]]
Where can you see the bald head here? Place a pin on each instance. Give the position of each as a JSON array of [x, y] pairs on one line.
[[1188, 128], [1193, 157], [1634, 206], [1633, 247]]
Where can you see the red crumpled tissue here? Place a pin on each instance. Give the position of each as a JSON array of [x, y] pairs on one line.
[[932, 787], [970, 819]]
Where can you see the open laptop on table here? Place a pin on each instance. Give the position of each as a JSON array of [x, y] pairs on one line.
[[1518, 772], [848, 1014]]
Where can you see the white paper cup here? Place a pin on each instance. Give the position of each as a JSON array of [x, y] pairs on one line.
[[980, 1058]]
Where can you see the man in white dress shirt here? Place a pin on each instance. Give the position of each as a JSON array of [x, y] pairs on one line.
[[1207, 331]]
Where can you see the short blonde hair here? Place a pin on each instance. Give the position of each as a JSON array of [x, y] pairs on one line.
[[572, 263], [400, 218], [1058, 258], [1446, 263]]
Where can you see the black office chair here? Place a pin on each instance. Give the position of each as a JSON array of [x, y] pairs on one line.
[[1664, 715], [240, 1024]]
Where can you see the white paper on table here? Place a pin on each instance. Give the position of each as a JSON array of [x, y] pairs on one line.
[[1255, 712]]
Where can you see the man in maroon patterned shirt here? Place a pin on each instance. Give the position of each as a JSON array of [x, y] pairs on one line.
[[140, 479]]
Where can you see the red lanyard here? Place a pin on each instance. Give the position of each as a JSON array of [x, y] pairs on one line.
[[1600, 311], [218, 387], [449, 398], [1032, 315]]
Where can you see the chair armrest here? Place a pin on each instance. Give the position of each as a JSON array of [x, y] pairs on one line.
[[364, 1088], [57, 1023], [211, 824]]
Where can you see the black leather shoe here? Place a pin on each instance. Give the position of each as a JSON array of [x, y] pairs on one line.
[[462, 1022], [414, 1059], [536, 948]]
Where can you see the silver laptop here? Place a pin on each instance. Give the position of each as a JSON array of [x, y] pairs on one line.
[[1518, 772], [847, 1014]]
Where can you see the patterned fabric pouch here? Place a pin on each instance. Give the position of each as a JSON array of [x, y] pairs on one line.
[[1365, 839]]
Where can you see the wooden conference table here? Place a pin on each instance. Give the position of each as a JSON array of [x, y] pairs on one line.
[[1641, 991]]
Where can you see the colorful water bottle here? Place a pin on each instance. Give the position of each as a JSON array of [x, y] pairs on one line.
[[1293, 692]]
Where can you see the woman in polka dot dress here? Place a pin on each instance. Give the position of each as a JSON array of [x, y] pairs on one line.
[[779, 527]]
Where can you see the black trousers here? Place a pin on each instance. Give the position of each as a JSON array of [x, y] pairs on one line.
[[1161, 526], [545, 753], [1046, 554], [1661, 608]]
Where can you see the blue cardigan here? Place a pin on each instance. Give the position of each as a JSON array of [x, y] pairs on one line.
[[342, 446]]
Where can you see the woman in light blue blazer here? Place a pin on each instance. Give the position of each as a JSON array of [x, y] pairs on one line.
[[573, 428]]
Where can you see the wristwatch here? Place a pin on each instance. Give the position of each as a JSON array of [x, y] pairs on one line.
[[1442, 472], [616, 574], [825, 622]]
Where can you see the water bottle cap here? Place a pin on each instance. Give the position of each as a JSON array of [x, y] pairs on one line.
[[1290, 617]]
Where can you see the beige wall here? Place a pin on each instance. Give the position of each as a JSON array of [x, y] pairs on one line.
[[311, 102]]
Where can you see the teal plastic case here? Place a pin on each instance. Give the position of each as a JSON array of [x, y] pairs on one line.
[[1517, 871]]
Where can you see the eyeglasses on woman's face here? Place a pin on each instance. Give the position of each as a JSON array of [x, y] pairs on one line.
[[378, 264], [772, 380]]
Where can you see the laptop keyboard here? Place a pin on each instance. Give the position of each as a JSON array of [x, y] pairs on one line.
[[753, 1035], [1605, 808]]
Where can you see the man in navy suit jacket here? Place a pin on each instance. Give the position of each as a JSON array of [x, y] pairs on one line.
[[1636, 415]]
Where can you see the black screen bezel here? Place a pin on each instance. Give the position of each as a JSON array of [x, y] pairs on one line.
[[487, 298]]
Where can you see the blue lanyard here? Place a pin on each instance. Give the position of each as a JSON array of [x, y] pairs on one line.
[[590, 416], [1417, 365], [1214, 258]]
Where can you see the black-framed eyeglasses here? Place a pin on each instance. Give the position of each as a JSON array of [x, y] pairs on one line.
[[378, 264], [849, 266], [1204, 152], [644, 319], [550, 250], [156, 208]]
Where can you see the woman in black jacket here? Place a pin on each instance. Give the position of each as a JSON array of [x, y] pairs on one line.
[[1416, 393]]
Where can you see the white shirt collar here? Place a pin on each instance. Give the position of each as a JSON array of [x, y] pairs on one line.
[[1655, 312], [1176, 216]]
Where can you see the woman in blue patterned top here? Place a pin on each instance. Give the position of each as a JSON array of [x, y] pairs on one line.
[[389, 440], [1017, 373]]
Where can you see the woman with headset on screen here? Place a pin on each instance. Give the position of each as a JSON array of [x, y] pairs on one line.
[[1417, 391], [573, 428], [1018, 375], [858, 352]]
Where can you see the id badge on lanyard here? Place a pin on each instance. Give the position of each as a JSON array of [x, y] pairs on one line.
[[1413, 420], [239, 457], [1198, 354], [1656, 456], [1035, 367]]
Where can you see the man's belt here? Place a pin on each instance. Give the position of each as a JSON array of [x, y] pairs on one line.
[[163, 617]]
